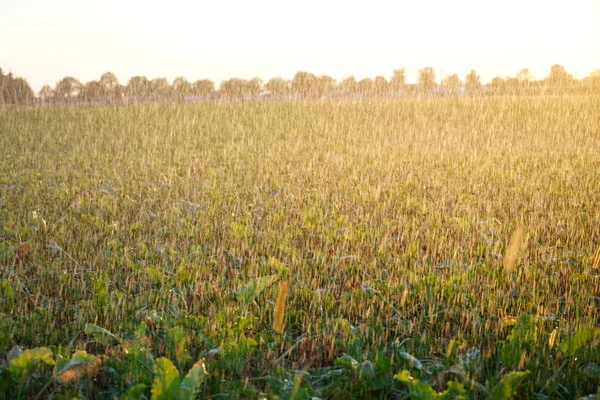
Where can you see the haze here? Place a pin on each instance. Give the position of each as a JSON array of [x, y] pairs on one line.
[[45, 41]]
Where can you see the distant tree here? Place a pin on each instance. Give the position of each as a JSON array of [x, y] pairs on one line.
[[203, 88], [426, 80], [349, 86], [109, 85], [92, 90], [234, 88], [380, 85], [46, 93], [524, 75], [451, 83], [472, 81], [325, 86], [253, 87], [277, 87], [181, 88], [304, 84], [512, 85], [594, 80], [159, 88], [138, 86], [497, 85], [365, 86], [14, 90], [68, 88], [398, 80], [525, 79], [559, 78]]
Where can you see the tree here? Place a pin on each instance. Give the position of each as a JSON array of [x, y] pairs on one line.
[[304, 84], [14, 90], [365, 86], [46, 93], [524, 78], [68, 88], [109, 85], [92, 90], [349, 86], [203, 88], [325, 85], [594, 80], [451, 83], [559, 78], [398, 80], [138, 86], [234, 88], [497, 85], [524, 75], [426, 80], [181, 88], [472, 81], [380, 86], [159, 88], [253, 87], [277, 87]]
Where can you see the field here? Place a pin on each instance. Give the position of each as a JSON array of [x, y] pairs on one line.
[[335, 249]]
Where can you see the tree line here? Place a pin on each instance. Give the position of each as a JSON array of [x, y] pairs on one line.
[[107, 89]]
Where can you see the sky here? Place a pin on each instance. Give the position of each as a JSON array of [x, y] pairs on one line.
[[44, 41]]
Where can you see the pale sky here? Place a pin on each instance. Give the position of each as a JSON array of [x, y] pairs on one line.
[[43, 40]]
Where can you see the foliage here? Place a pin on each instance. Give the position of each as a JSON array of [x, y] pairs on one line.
[[14, 90]]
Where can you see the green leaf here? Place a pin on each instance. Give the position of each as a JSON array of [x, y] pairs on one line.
[[248, 292], [507, 388], [80, 364], [29, 359], [418, 390], [414, 361], [101, 335], [457, 390], [577, 340], [524, 330], [134, 393], [192, 381], [347, 362], [166, 380], [422, 391]]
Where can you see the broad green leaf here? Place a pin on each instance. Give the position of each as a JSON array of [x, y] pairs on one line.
[[414, 361], [422, 391], [101, 335], [80, 364], [248, 292], [134, 393], [577, 340], [166, 380], [347, 362], [192, 381], [524, 330], [520, 340], [418, 390], [456, 390], [507, 388], [29, 359]]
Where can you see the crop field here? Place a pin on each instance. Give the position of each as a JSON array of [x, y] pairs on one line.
[[386, 248]]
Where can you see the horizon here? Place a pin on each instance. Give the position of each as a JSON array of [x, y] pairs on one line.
[[211, 42]]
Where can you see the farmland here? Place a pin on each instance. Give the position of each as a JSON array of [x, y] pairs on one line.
[[138, 240]]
